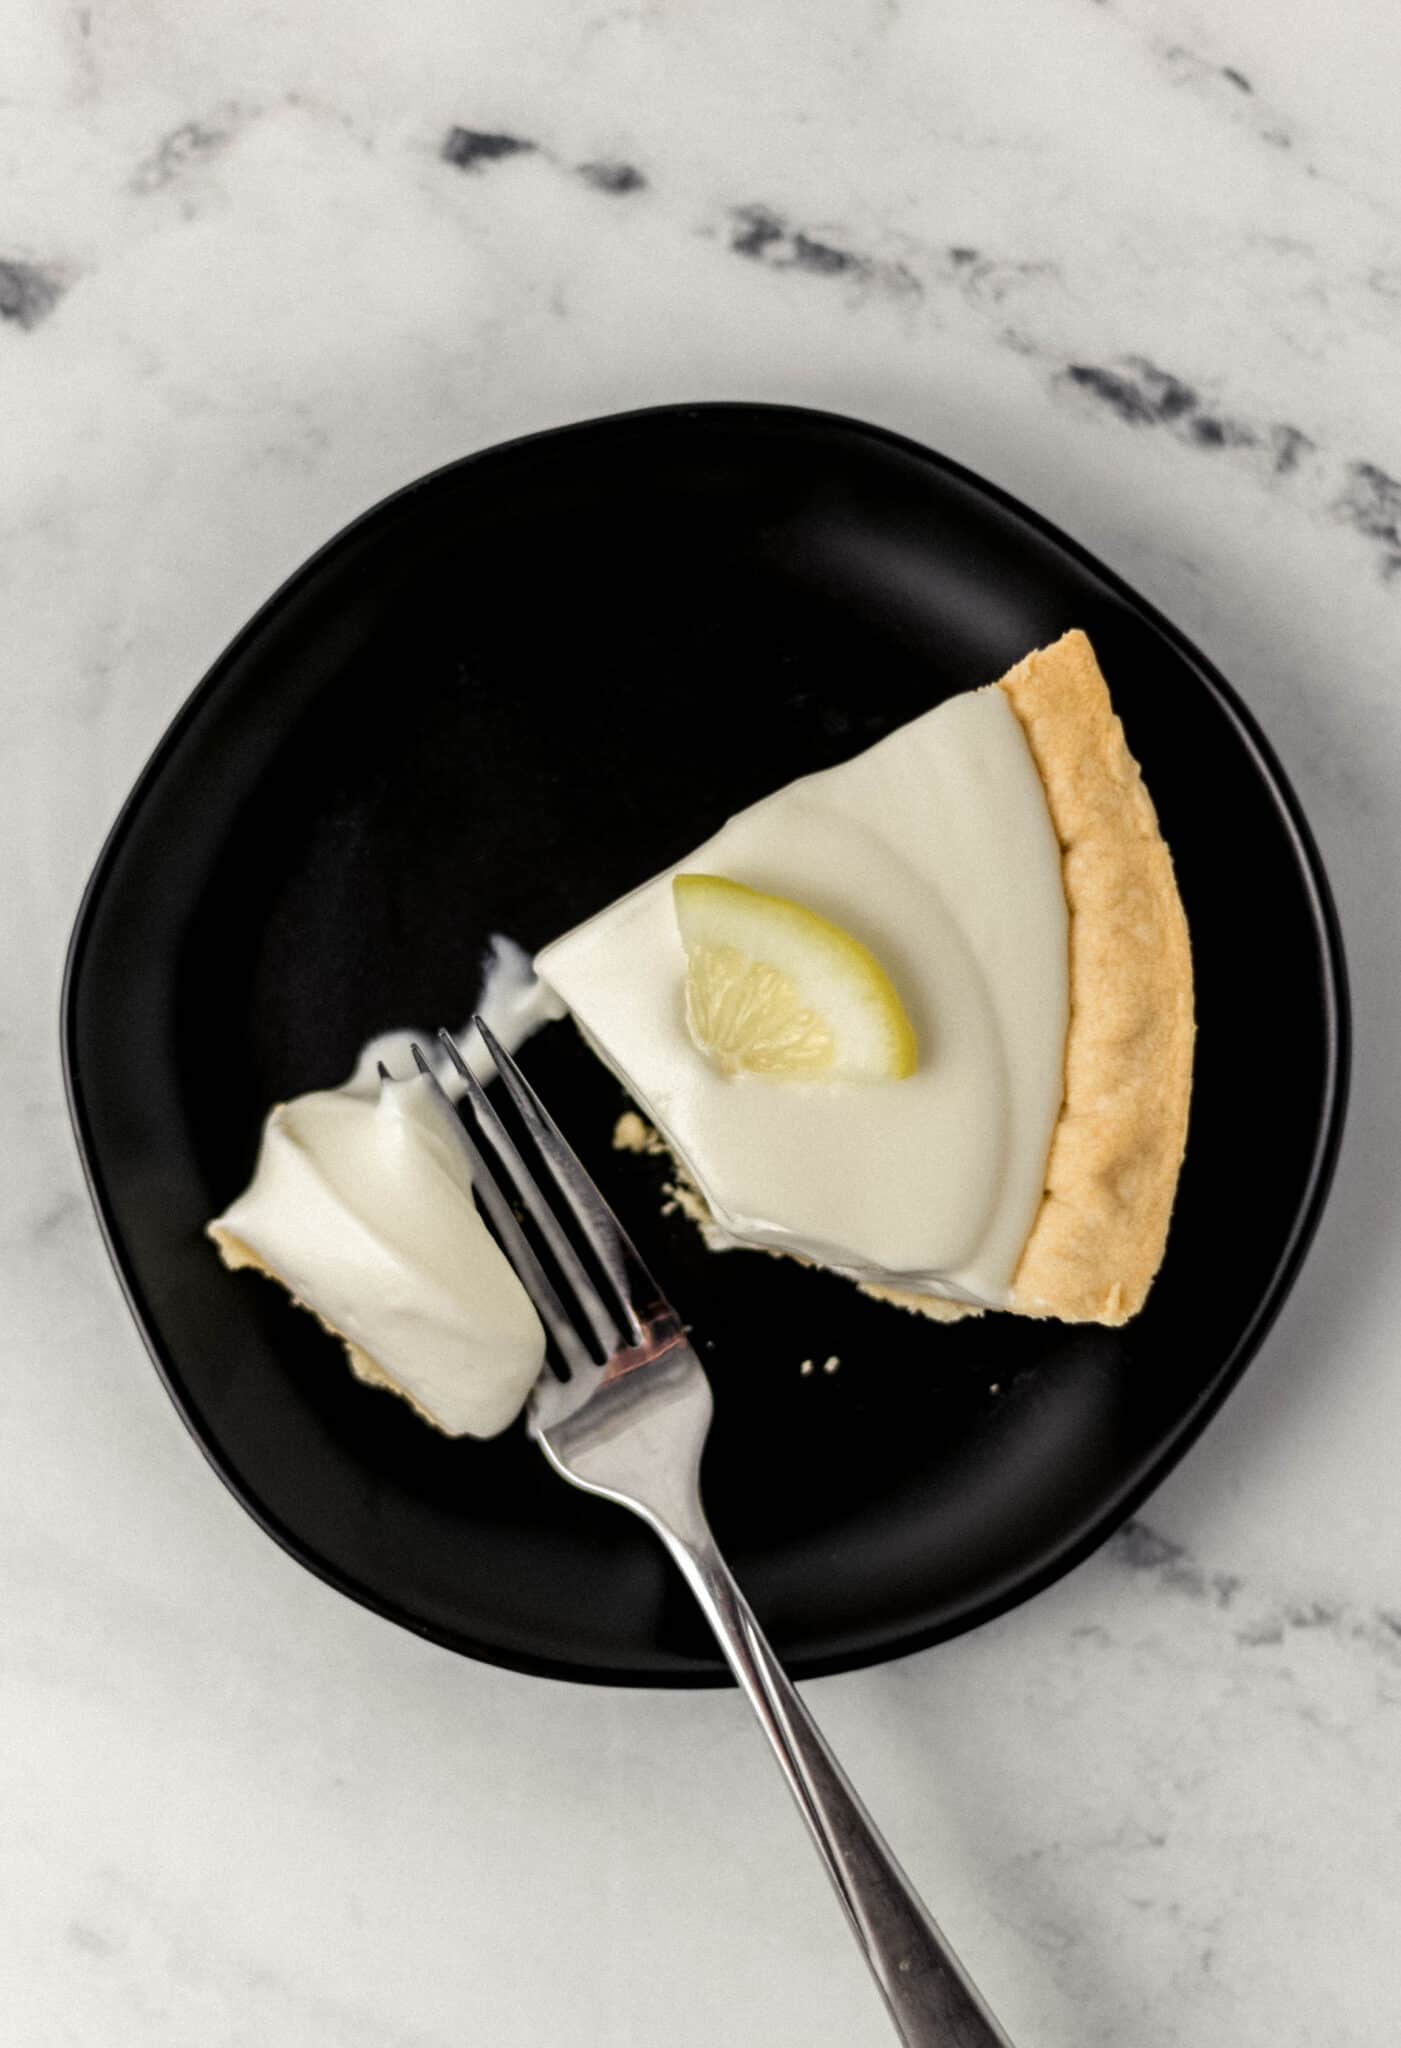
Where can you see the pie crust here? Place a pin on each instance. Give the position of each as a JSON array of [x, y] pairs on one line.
[[237, 1256], [1099, 1235]]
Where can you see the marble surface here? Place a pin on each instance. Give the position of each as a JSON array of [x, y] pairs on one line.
[[1138, 261]]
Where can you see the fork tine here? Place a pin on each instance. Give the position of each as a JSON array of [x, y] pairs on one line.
[[514, 1242], [519, 1176], [616, 1252]]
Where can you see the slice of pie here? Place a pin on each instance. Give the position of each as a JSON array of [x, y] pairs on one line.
[[996, 902]]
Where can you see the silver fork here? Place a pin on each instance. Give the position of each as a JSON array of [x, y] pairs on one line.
[[632, 1428]]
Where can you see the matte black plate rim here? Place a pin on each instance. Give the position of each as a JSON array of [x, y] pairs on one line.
[[1324, 1160]]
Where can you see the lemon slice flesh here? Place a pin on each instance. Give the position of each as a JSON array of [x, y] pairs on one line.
[[776, 990]]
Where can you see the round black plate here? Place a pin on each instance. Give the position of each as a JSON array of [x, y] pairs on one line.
[[493, 704]]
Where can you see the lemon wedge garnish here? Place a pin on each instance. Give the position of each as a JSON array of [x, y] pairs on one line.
[[776, 990]]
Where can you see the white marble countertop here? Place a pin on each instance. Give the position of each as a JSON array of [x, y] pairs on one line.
[[1139, 262]]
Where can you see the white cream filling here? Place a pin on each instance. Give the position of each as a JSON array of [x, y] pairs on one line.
[[361, 1205], [514, 1003], [363, 1210], [935, 848]]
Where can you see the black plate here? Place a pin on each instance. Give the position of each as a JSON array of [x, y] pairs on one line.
[[493, 704]]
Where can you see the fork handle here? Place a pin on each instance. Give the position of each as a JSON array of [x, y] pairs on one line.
[[929, 1997]]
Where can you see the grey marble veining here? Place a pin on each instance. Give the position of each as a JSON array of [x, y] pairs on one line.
[[1138, 262]]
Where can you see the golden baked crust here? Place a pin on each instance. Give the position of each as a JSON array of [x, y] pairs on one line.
[[1098, 1237], [236, 1255], [934, 1306]]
